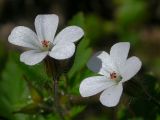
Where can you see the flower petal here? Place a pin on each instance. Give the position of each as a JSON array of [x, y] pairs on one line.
[[32, 57], [62, 51], [93, 85], [46, 26], [69, 34], [101, 63], [119, 53], [25, 37], [111, 96], [132, 66]]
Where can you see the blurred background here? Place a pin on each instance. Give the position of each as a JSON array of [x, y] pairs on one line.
[[26, 92]]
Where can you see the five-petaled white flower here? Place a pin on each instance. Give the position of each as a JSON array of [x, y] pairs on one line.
[[44, 43], [114, 69]]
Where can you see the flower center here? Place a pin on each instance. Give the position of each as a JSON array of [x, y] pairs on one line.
[[45, 43], [115, 76]]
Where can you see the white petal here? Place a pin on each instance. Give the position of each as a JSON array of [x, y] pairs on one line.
[[62, 51], [101, 63], [25, 37], [111, 96], [119, 53], [69, 34], [33, 57], [132, 66], [46, 26], [93, 85]]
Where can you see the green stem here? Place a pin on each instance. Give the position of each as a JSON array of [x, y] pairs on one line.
[[52, 69], [55, 90], [56, 98]]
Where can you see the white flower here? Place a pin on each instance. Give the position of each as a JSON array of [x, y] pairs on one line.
[[44, 42], [114, 70]]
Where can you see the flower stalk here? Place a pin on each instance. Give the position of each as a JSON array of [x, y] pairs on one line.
[[52, 69], [56, 98]]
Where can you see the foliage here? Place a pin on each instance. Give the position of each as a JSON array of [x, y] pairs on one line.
[[26, 92]]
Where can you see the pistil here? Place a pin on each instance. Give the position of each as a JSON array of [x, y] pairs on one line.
[[115, 76]]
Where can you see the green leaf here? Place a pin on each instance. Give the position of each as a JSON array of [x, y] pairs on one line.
[[13, 89], [36, 74], [77, 78], [29, 109], [76, 110], [83, 50], [35, 94], [121, 113], [82, 55], [129, 36], [94, 28], [78, 20], [130, 12], [15, 93]]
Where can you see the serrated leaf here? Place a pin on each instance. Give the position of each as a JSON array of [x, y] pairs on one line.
[[82, 55]]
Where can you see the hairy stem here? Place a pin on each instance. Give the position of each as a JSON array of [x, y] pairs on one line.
[[56, 98], [52, 69]]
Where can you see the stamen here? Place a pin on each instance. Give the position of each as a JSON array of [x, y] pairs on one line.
[[45, 43], [115, 76]]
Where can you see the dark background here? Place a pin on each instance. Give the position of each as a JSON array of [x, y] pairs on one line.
[[105, 22]]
